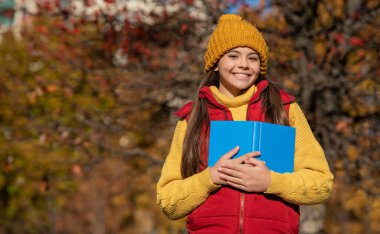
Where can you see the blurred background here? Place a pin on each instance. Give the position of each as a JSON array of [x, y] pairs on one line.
[[88, 89]]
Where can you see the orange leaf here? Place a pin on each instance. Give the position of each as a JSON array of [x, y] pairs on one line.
[[77, 170]]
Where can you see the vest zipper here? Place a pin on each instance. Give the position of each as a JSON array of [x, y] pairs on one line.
[[242, 196], [241, 216]]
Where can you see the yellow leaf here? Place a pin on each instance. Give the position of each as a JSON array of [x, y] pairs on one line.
[[352, 152], [374, 216]]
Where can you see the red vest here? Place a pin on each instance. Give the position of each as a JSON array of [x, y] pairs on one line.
[[228, 210]]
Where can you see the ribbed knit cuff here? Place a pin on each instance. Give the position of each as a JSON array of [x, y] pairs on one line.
[[277, 183], [206, 182]]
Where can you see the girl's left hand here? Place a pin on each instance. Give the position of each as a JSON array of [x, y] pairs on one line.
[[253, 176]]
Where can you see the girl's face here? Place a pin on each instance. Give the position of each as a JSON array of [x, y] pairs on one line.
[[238, 70]]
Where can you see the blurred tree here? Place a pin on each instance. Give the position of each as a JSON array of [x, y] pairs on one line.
[[85, 104], [326, 53]]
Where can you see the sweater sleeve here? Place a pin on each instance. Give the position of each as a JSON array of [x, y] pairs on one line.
[[311, 182], [177, 197]]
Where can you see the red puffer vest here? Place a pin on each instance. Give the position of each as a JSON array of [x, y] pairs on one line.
[[228, 210]]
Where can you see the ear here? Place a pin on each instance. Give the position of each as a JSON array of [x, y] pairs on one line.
[[216, 68]]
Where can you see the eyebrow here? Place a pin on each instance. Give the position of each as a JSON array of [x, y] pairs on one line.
[[252, 53]]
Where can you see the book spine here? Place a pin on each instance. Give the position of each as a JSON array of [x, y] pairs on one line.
[[256, 136]]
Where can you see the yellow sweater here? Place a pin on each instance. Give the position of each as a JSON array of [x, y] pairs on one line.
[[310, 183]]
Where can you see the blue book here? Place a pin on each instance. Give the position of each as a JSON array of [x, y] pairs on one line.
[[275, 142]]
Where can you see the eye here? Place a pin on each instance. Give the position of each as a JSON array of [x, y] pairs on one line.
[[253, 58], [232, 56]]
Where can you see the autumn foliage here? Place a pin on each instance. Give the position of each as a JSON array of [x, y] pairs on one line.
[[86, 109]]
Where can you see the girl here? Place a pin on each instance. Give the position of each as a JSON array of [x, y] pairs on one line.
[[239, 195]]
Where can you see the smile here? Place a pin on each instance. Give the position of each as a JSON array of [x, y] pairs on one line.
[[241, 76]]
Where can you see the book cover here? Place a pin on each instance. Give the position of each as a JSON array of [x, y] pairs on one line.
[[275, 142]]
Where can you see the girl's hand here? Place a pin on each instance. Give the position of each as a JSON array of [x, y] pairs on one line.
[[226, 160], [253, 178]]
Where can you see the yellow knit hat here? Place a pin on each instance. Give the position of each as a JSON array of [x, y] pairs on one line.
[[231, 32]]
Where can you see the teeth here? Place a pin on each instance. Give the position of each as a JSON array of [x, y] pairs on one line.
[[241, 75]]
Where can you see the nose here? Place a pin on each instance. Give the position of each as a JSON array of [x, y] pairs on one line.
[[242, 63]]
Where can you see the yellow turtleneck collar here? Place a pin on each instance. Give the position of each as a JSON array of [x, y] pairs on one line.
[[235, 101]]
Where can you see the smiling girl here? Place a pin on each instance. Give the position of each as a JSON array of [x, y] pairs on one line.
[[239, 195]]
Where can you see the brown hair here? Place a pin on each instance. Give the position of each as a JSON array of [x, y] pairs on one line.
[[195, 138]]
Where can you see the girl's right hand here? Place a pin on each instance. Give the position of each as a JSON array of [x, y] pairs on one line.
[[227, 159]]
